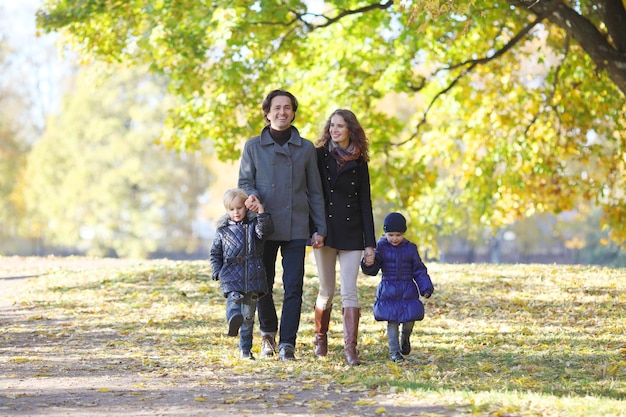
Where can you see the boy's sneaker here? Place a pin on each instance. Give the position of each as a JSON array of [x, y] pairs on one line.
[[406, 346], [247, 355], [234, 324], [268, 345], [396, 357]]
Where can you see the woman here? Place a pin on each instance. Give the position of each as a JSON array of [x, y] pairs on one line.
[[342, 157]]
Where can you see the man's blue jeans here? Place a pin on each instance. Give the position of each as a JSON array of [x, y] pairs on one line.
[[292, 253], [246, 306]]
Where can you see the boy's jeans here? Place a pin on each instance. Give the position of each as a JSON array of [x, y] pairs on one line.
[[237, 303]]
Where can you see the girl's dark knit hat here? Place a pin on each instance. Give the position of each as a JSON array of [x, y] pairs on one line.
[[394, 222]]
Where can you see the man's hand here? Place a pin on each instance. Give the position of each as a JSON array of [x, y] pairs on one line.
[[317, 241], [253, 203]]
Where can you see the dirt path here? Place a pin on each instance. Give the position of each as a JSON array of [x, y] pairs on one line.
[[43, 373]]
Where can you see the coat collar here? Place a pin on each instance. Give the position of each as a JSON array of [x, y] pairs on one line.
[[225, 219], [331, 160], [383, 240], [266, 138]]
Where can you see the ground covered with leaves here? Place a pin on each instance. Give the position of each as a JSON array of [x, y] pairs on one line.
[[94, 337]]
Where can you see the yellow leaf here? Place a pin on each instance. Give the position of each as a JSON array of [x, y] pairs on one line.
[[616, 368], [364, 402], [287, 396], [104, 390], [526, 331], [380, 410], [200, 399]]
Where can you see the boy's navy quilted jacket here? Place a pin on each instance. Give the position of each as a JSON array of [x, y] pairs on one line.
[[404, 277], [237, 253]]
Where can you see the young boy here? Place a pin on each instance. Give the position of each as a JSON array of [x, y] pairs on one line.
[[397, 296], [237, 262]]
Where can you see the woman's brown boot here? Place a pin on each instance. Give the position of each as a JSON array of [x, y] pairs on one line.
[[322, 320], [351, 317]]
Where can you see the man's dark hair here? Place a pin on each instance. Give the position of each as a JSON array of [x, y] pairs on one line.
[[267, 103]]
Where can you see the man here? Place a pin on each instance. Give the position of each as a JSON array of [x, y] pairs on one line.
[[279, 169]]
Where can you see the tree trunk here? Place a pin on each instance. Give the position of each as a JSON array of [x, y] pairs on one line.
[[607, 52]]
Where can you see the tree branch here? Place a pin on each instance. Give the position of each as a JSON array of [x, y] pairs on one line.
[[301, 17], [605, 55], [555, 83], [469, 66], [344, 13], [613, 14], [518, 37], [422, 122]]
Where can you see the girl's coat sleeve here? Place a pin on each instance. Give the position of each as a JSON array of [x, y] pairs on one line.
[[420, 275], [373, 268]]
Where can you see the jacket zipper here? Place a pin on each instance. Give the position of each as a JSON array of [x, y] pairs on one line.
[[246, 256]]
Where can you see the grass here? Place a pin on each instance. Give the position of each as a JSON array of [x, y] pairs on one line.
[[538, 340]]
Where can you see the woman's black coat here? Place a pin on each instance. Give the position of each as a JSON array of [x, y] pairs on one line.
[[347, 197]]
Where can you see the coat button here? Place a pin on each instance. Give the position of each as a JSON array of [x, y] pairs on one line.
[[330, 215], [347, 218], [348, 205]]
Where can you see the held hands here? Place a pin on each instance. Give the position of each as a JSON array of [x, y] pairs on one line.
[[427, 294], [368, 256], [254, 204], [317, 241]]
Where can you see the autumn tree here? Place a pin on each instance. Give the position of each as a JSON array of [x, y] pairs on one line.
[[98, 182], [479, 112], [14, 146]]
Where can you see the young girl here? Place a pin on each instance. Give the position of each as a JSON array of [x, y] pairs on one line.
[[404, 278], [237, 262]]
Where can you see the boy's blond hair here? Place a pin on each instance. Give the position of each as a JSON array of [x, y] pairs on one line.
[[231, 194]]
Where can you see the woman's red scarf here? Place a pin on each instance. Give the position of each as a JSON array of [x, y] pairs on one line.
[[341, 155]]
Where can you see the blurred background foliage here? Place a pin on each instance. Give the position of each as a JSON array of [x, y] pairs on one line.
[[497, 128]]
